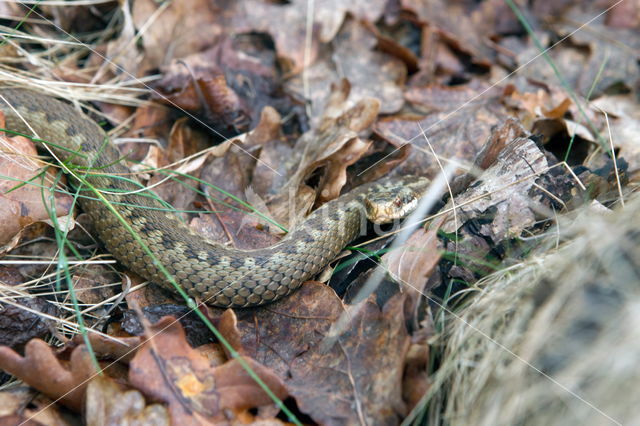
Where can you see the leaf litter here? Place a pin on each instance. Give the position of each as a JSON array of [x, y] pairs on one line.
[[279, 106]]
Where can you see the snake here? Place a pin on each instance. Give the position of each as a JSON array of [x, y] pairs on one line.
[[219, 275]]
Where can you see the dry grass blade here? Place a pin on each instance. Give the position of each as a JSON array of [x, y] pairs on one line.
[[553, 340]]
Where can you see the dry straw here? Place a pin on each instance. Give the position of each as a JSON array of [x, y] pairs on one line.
[[555, 340]]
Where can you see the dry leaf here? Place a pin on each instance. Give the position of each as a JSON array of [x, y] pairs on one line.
[[21, 405], [168, 369], [197, 85], [177, 29], [11, 277], [197, 333], [108, 403], [121, 349], [411, 265], [24, 206], [95, 283], [358, 376], [624, 120], [416, 381], [456, 130], [232, 223], [151, 122], [613, 53], [464, 26], [372, 74], [18, 324], [331, 148], [40, 369]]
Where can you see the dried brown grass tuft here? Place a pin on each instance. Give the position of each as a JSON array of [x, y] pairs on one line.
[[554, 340]]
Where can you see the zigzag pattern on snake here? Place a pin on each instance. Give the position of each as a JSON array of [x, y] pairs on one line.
[[222, 276]]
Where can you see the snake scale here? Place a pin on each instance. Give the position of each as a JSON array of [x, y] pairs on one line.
[[221, 276]]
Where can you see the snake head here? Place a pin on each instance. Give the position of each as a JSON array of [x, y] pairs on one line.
[[394, 200]]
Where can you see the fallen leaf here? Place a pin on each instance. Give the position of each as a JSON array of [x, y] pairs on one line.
[[121, 349], [19, 324], [151, 122], [179, 26], [23, 206], [230, 84], [456, 131], [22, 405], [411, 265], [538, 104], [330, 148], [416, 381], [183, 142], [466, 26], [390, 42], [624, 120], [291, 39], [613, 53], [270, 173], [332, 13], [198, 85], [177, 29], [166, 368], [14, 399], [590, 62], [40, 369], [108, 403], [357, 379], [146, 295], [16, 419], [434, 98], [624, 15], [232, 223], [95, 283], [372, 74], [196, 332]]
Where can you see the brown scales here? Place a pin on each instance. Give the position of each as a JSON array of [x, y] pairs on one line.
[[229, 277]]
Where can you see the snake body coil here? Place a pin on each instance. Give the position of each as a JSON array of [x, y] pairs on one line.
[[221, 276]]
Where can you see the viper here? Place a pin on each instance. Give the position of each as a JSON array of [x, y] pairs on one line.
[[219, 275]]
